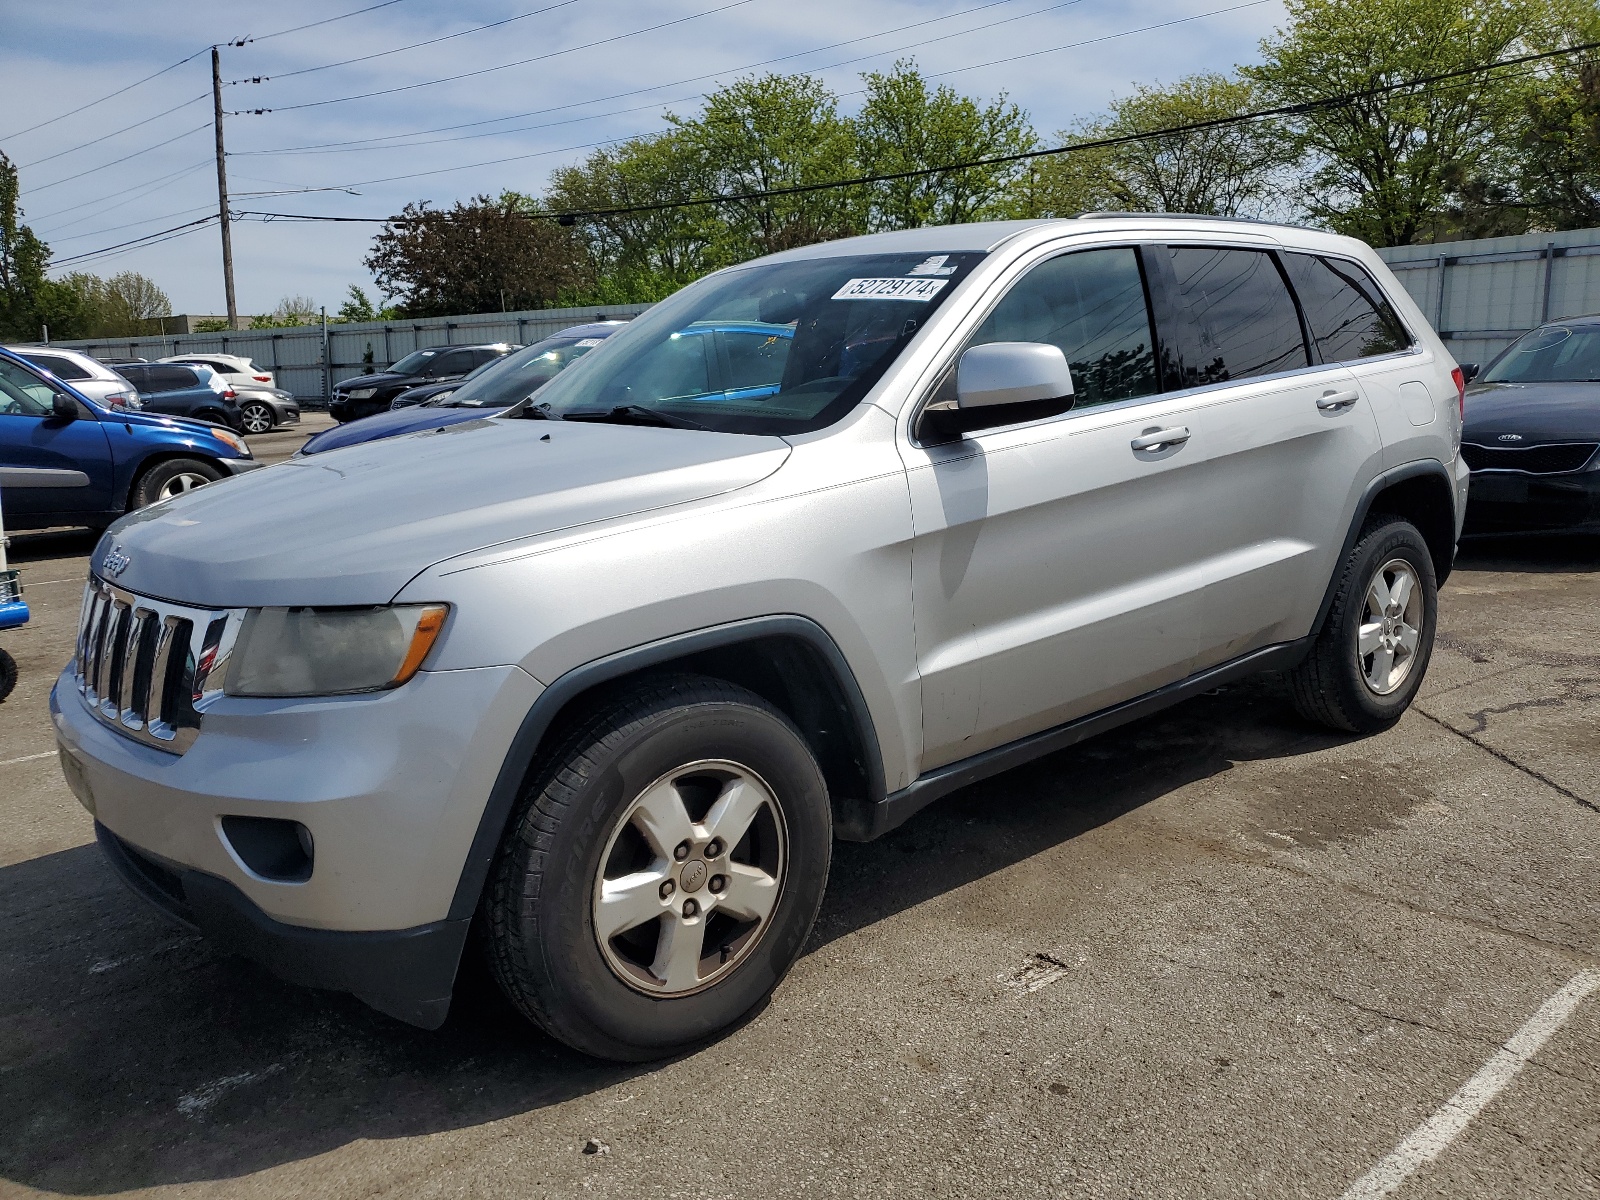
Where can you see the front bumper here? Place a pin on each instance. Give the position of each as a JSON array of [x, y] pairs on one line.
[[1514, 502], [392, 787], [238, 466]]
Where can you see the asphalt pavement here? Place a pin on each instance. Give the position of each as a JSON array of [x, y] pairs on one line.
[[1215, 954]]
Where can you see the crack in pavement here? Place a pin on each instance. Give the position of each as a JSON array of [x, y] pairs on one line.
[[1531, 772]]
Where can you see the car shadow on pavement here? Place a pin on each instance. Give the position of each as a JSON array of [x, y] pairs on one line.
[[133, 1055], [1540, 553]]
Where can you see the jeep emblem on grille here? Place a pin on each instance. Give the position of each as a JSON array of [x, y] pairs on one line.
[[1510, 437], [115, 562]]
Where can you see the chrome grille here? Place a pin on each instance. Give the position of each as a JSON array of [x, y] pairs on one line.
[[149, 668]]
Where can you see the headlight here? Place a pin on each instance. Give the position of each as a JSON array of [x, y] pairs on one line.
[[362, 393], [232, 439], [330, 651]]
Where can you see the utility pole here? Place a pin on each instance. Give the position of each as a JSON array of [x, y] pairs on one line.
[[222, 192]]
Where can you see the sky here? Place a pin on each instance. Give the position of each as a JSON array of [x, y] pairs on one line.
[[546, 83]]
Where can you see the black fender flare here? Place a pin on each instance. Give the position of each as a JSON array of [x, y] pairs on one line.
[[526, 743]]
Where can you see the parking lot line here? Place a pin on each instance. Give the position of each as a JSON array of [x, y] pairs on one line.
[[1431, 1138], [27, 758]]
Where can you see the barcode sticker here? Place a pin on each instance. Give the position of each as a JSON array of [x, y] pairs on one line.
[[921, 290]]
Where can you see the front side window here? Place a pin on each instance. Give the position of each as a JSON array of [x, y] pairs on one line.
[[413, 363], [1553, 354], [1242, 321], [1348, 315], [22, 393], [1092, 305], [843, 321]]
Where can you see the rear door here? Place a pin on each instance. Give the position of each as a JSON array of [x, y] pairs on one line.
[[49, 464]]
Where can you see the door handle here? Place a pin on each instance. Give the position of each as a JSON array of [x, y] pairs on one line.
[[1160, 439], [1336, 401]]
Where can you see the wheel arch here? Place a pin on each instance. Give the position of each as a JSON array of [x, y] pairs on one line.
[[155, 458], [1419, 492], [790, 661]]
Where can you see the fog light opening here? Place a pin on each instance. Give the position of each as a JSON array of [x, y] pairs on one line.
[[274, 849]]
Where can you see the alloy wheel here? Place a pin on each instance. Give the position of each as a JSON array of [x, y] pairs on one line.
[[1391, 626], [184, 481], [690, 878], [257, 418]]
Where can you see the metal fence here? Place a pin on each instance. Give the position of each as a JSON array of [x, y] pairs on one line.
[[1481, 295], [296, 355]]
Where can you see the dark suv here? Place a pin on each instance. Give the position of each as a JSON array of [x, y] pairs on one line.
[[368, 394], [175, 390]]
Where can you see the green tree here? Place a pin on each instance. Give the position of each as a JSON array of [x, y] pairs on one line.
[[1558, 177], [1224, 170], [488, 255], [291, 311], [905, 126], [1387, 168], [29, 299], [774, 132], [358, 306], [642, 255]]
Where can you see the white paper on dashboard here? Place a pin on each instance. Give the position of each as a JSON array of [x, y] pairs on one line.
[[921, 290]]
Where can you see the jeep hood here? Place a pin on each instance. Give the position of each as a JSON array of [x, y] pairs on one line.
[[353, 526]]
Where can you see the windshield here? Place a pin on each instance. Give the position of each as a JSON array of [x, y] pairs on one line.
[[1554, 354], [518, 375], [782, 347], [413, 362]]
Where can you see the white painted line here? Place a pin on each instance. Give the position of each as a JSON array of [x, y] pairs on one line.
[[1431, 1138], [27, 758], [28, 583]]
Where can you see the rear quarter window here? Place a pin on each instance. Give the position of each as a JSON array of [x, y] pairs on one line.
[[1346, 310]]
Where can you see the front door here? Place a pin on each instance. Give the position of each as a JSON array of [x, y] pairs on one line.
[[48, 464]]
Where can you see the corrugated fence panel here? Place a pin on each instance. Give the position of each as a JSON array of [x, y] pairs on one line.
[[1495, 289], [294, 355]]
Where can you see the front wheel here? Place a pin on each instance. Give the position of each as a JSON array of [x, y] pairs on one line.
[[662, 870], [1369, 658], [172, 478], [256, 417]]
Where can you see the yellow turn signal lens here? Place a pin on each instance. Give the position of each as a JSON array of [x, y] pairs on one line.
[[429, 626]]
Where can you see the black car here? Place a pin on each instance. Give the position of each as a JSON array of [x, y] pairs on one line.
[[1532, 433], [368, 394], [176, 390]]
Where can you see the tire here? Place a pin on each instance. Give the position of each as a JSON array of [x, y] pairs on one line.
[[172, 477], [679, 756], [8, 675], [1343, 683], [257, 417]]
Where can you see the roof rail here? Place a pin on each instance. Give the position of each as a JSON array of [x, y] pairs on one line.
[[1094, 215]]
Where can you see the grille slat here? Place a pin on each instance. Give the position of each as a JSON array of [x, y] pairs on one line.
[[1531, 460], [140, 666]]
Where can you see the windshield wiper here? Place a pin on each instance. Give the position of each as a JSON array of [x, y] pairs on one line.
[[633, 414]]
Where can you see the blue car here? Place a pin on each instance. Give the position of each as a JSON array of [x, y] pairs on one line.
[[736, 360], [65, 460]]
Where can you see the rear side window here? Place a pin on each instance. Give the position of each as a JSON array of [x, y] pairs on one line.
[[61, 368], [479, 357], [136, 376], [1242, 318], [1348, 315], [1092, 305], [170, 379], [453, 362]]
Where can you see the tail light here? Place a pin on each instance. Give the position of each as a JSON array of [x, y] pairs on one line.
[[262, 378], [230, 394], [1459, 378], [117, 400]]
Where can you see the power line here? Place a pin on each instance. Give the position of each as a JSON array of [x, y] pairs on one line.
[[356, 144], [109, 95], [117, 161], [113, 133], [507, 66], [571, 216], [131, 224], [147, 239], [314, 24], [413, 46], [150, 185]]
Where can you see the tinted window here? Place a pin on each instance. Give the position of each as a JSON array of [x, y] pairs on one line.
[[452, 362], [136, 376], [1242, 319], [479, 357], [169, 379], [1092, 305], [1348, 315], [61, 368], [413, 363]]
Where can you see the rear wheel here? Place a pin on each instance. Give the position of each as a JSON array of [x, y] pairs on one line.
[[257, 417], [662, 871], [173, 477], [1370, 656]]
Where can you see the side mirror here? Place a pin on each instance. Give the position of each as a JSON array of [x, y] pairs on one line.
[[63, 405], [1469, 371], [1007, 373]]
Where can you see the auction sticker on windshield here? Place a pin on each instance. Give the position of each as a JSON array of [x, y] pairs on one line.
[[890, 289]]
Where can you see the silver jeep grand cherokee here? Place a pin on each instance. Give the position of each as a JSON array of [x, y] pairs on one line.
[[812, 543]]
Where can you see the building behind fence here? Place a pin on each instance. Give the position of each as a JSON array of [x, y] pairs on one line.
[[1480, 295]]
